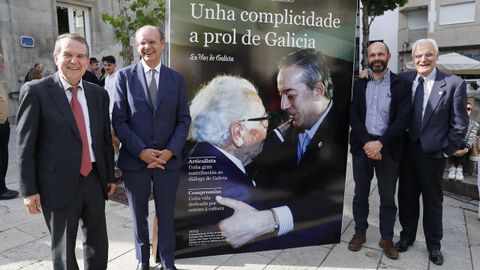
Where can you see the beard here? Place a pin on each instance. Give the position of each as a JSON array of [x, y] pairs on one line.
[[376, 68]]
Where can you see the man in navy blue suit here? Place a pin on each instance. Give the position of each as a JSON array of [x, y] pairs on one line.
[[379, 117], [151, 118], [437, 129]]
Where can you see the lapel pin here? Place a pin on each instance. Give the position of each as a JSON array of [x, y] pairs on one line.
[[320, 145], [440, 92]]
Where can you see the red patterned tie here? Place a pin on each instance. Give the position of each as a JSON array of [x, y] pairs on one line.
[[86, 166]]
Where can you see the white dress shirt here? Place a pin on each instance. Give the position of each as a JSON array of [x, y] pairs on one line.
[[428, 82], [284, 215], [148, 74], [110, 87], [83, 103]]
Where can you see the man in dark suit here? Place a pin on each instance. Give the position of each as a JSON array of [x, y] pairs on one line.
[[437, 129], [151, 119], [379, 117], [305, 158], [66, 155]]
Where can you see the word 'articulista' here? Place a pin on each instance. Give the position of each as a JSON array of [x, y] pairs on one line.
[[286, 17]]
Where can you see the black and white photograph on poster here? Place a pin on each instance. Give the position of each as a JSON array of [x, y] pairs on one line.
[[269, 84]]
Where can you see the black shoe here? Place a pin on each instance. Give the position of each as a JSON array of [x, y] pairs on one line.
[[436, 256], [8, 194], [143, 266], [402, 245], [165, 268]]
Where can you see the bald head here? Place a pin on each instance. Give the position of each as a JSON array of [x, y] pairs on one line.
[[150, 44], [378, 57]]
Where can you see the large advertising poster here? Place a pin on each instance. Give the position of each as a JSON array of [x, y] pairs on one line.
[[269, 83]]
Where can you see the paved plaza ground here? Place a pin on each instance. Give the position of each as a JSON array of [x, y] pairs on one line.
[[24, 240]]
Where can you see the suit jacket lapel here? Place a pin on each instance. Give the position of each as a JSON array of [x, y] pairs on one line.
[[322, 132], [138, 76], [435, 96], [363, 99], [61, 102], [162, 84], [92, 111]]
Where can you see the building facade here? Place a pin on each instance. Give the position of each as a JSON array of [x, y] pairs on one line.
[[28, 29], [454, 24]]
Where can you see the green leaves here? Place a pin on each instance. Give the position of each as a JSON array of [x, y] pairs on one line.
[[133, 15], [378, 7], [371, 9]]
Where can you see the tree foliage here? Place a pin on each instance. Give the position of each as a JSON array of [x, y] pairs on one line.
[[133, 15], [371, 9]]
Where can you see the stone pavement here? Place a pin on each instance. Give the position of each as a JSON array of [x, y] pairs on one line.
[[24, 240]]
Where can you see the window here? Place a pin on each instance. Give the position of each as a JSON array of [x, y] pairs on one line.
[[73, 19], [417, 19], [417, 22], [457, 13]]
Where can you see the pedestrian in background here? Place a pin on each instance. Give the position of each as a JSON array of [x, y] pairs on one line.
[[109, 65], [34, 73], [91, 73], [455, 172], [5, 193]]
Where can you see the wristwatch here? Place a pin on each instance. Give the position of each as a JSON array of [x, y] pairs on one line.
[[277, 224]]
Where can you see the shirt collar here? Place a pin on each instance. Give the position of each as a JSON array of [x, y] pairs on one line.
[[429, 77], [146, 68], [311, 132], [384, 78], [232, 158], [66, 85]]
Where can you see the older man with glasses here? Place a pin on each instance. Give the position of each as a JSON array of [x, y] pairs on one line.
[[437, 129]]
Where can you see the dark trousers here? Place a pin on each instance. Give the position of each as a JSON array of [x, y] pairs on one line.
[[87, 206], [386, 171], [138, 189], [421, 174], [4, 139]]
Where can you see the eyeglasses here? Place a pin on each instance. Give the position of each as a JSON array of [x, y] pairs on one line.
[[427, 55]]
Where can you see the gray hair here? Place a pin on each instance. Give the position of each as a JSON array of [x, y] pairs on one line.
[[424, 41], [223, 101], [76, 37]]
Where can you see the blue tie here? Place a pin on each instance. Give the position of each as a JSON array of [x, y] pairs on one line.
[[416, 122], [302, 147]]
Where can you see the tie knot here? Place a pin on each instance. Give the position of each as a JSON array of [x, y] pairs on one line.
[[153, 71], [420, 79], [74, 90]]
